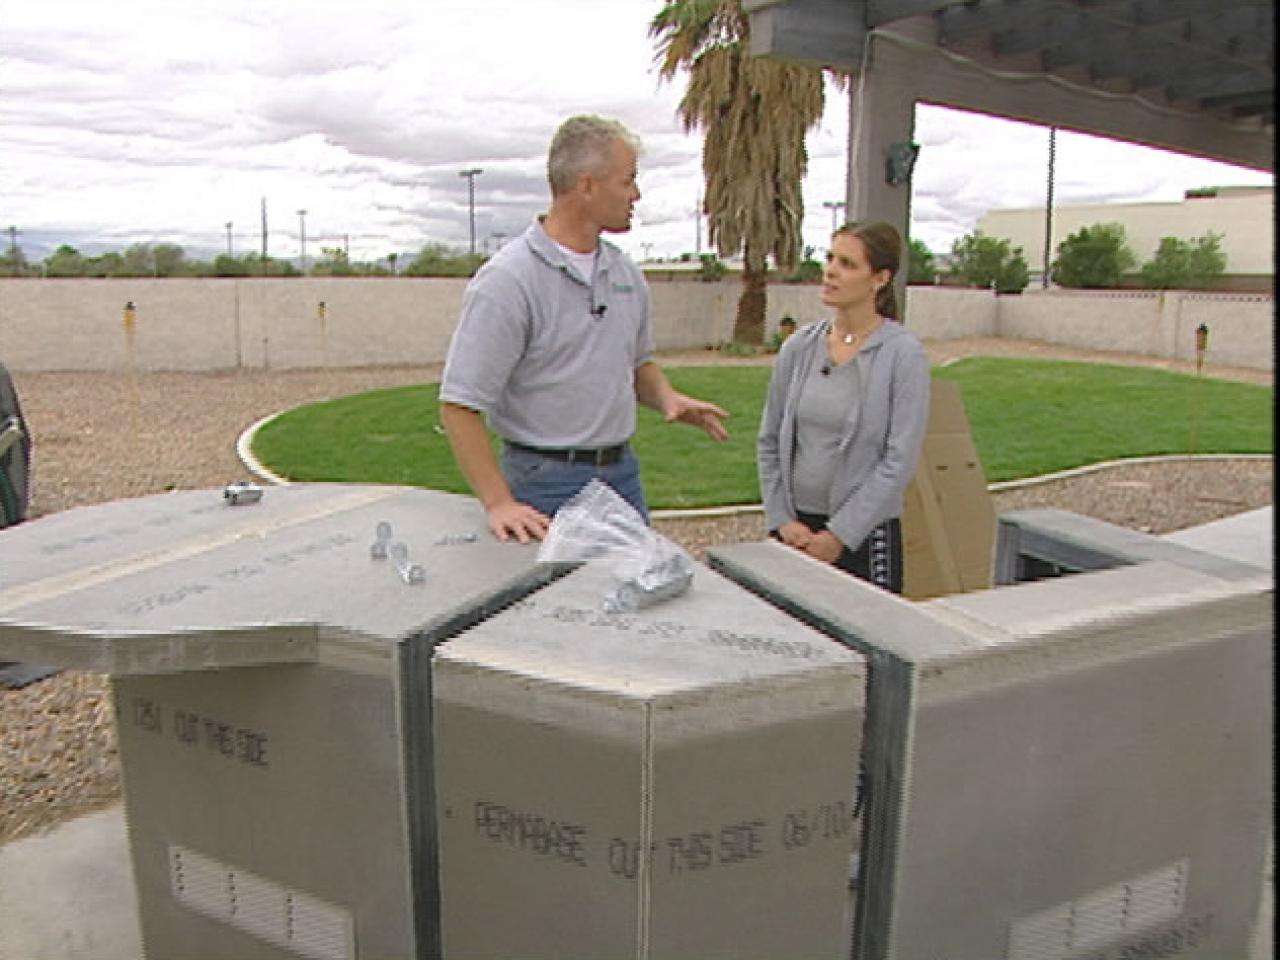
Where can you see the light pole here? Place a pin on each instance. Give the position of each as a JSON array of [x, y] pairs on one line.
[[1048, 211], [13, 250], [229, 238], [302, 240], [697, 226], [471, 175], [835, 206]]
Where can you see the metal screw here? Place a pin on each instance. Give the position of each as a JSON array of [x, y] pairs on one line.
[[409, 572], [382, 533]]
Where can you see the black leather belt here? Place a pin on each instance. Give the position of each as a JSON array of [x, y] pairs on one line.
[[599, 457]]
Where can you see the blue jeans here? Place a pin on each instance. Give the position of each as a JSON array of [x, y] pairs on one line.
[[545, 483]]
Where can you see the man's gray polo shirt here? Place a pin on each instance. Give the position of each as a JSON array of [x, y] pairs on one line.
[[548, 355]]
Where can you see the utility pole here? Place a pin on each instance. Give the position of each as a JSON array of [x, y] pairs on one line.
[[471, 175], [697, 234], [229, 238], [264, 234], [302, 239], [13, 250], [1048, 209]]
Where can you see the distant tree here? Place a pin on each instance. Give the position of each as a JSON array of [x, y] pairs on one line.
[[1095, 257], [921, 267], [754, 113], [169, 260], [439, 260], [984, 261], [333, 262], [273, 267], [66, 261], [1185, 265], [808, 270], [109, 264], [225, 265], [336, 262], [136, 261], [13, 263], [252, 265], [712, 269]]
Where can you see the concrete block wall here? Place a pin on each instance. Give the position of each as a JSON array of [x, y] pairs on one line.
[[950, 313], [1241, 327], [363, 322], [932, 312], [214, 324], [1149, 323], [1127, 322], [79, 325], [689, 314]]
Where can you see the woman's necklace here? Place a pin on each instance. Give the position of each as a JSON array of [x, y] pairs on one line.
[[848, 339]]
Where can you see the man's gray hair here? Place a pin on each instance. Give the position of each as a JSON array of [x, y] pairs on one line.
[[581, 145]]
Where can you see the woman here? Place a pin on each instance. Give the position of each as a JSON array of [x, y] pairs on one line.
[[845, 416]]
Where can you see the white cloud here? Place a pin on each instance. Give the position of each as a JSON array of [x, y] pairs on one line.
[[157, 120]]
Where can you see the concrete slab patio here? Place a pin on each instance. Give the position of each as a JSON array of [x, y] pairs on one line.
[[69, 894]]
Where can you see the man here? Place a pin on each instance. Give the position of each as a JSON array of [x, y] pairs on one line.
[[15, 455], [554, 347]]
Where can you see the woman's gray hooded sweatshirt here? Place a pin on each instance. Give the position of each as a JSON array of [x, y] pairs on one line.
[[881, 441]]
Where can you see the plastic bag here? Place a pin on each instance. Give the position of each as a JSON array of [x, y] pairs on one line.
[[597, 524]]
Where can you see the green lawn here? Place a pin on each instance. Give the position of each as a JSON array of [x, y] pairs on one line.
[[1029, 417]]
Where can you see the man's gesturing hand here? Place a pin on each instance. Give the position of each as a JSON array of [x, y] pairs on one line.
[[697, 413]]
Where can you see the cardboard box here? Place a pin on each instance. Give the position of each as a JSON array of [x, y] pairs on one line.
[[948, 518], [670, 784]]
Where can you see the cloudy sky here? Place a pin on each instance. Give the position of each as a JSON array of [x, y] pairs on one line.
[[150, 121]]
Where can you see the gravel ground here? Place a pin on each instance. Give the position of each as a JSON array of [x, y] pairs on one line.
[[106, 436]]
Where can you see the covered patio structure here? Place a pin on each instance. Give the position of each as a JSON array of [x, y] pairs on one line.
[[1191, 76]]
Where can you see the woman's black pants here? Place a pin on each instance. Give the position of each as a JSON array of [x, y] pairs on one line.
[[878, 559]]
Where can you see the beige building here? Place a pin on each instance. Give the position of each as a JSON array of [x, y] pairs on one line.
[[1244, 216]]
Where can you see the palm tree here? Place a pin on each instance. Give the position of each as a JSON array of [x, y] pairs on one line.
[[755, 113]]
